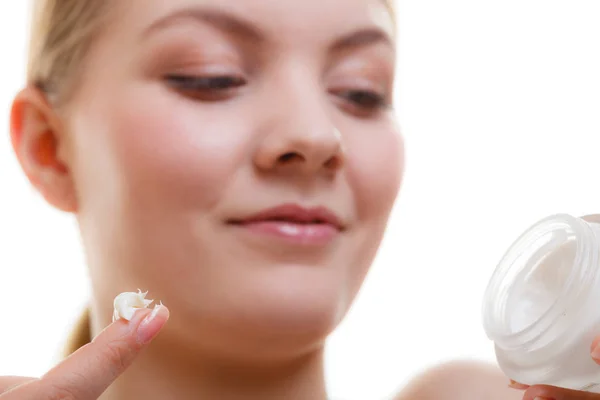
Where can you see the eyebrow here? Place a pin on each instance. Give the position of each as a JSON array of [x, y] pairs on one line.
[[219, 19], [229, 23], [363, 38]]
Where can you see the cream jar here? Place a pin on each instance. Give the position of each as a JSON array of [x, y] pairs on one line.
[[542, 305]]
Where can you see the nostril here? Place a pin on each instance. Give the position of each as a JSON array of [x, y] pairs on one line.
[[334, 163], [287, 157]]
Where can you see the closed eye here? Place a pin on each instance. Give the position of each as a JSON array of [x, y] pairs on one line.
[[207, 88], [363, 102]]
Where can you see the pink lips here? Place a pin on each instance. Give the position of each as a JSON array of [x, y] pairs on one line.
[[294, 223]]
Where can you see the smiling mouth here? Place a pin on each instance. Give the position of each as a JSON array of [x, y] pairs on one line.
[[292, 223]]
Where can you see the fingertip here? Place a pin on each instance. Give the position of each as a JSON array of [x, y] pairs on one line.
[[153, 323]]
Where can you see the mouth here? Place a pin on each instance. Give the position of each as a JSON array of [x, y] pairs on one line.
[[294, 223]]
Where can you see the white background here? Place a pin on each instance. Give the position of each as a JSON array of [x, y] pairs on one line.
[[499, 102]]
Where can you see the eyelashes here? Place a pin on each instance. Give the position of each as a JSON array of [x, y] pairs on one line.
[[205, 88], [218, 88], [366, 100], [200, 83]]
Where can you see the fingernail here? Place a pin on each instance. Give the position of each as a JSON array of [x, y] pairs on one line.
[[517, 385], [148, 329]]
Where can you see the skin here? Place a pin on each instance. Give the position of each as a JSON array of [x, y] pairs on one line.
[[154, 171]]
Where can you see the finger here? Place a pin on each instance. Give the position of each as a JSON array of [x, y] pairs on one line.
[[7, 383], [553, 393], [595, 350], [517, 385], [88, 372]]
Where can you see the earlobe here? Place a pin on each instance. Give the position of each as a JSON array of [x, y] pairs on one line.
[[39, 144]]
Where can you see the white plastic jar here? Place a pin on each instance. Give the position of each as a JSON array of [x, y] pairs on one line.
[[542, 305]]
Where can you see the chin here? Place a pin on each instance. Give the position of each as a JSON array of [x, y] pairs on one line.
[[292, 304], [301, 312], [277, 318], [293, 325]]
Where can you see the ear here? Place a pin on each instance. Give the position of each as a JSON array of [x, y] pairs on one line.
[[40, 145]]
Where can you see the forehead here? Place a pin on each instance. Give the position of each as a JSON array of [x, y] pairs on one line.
[[284, 19]]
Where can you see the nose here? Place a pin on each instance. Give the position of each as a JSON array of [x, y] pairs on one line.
[[308, 148]]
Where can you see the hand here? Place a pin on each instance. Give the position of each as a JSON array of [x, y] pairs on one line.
[[544, 392], [88, 372]]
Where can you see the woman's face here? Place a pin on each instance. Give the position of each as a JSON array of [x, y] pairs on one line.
[[239, 159]]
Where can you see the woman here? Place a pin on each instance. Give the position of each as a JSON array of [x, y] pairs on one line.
[[239, 159]]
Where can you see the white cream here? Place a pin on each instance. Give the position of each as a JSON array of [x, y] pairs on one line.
[[127, 303]]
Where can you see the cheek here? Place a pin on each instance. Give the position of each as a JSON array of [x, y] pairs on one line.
[[160, 150], [375, 170]]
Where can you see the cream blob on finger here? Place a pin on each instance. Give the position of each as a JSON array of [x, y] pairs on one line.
[[126, 304]]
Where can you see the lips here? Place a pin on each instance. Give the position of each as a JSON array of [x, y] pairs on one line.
[[294, 214], [293, 223]]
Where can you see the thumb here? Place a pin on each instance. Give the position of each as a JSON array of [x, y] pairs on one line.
[[88, 372]]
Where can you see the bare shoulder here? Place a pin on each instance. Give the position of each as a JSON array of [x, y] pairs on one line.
[[460, 380]]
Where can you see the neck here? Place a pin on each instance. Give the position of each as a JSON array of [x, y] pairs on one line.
[[166, 371], [155, 377]]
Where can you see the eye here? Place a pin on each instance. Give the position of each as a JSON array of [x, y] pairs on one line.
[[364, 102], [205, 88]]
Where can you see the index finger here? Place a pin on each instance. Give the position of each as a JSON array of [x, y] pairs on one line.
[[88, 372], [7, 383]]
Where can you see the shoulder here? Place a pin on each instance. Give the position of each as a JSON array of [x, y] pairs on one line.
[[460, 380]]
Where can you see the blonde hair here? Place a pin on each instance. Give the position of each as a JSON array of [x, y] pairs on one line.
[[62, 31]]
